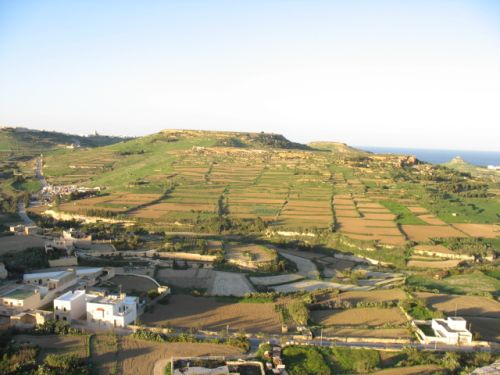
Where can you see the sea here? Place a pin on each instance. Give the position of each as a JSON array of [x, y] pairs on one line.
[[479, 158]]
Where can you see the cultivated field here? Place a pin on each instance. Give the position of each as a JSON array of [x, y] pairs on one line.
[[75, 345], [413, 370], [206, 313], [464, 305], [482, 313], [139, 357], [383, 333], [373, 296], [424, 233], [369, 316]]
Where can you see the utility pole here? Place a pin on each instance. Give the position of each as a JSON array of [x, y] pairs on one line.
[[172, 365], [321, 340]]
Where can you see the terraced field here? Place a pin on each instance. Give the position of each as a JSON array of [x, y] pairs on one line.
[[195, 180]]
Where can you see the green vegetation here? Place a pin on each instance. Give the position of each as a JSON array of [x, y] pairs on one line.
[[305, 361], [473, 283], [403, 214], [418, 310], [239, 341], [298, 311], [19, 262], [361, 361]]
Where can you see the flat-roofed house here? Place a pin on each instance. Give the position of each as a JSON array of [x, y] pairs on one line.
[[18, 298], [70, 306], [453, 330], [54, 280], [112, 310]]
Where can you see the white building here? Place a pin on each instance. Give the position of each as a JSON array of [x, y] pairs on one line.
[[16, 298], [70, 306], [112, 310], [453, 330], [53, 280]]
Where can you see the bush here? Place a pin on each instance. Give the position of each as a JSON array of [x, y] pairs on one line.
[[359, 360], [65, 364], [299, 312], [57, 327], [305, 361]]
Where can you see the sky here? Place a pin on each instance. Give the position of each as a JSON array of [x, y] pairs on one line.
[[420, 74]]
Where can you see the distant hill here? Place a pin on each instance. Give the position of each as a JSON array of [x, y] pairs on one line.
[[27, 142], [337, 147], [237, 139], [460, 165]]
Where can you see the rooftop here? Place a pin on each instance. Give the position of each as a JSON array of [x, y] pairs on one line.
[[46, 275], [21, 293], [71, 295]]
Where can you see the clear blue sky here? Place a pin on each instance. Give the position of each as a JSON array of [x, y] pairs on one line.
[[383, 73]]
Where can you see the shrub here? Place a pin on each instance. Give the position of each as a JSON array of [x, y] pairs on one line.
[[305, 361], [359, 360]]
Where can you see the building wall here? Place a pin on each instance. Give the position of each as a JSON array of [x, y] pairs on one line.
[[72, 309], [11, 306]]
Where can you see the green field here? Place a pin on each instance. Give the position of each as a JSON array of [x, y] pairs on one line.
[[471, 283]]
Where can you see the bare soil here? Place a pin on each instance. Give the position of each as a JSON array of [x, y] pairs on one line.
[[370, 316], [206, 313]]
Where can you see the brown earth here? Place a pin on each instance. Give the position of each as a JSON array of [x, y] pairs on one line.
[[423, 233], [389, 333], [206, 313], [139, 356], [431, 219], [366, 296], [413, 370], [480, 230], [369, 316], [465, 305], [433, 263]]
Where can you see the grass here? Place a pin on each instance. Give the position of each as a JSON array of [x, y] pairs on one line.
[[403, 214], [472, 283], [466, 210]]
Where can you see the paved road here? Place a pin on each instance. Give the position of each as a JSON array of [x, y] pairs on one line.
[[39, 172], [21, 210]]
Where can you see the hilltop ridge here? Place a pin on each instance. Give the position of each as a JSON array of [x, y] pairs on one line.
[[236, 139]]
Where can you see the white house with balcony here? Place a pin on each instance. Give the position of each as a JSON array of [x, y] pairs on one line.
[[112, 310]]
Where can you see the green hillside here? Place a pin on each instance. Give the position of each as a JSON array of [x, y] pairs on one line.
[[338, 148], [18, 148], [21, 142], [216, 181], [460, 165]]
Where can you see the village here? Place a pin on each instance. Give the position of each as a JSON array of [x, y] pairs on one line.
[[254, 298]]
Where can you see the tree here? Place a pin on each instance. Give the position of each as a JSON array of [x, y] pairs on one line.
[[451, 361]]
